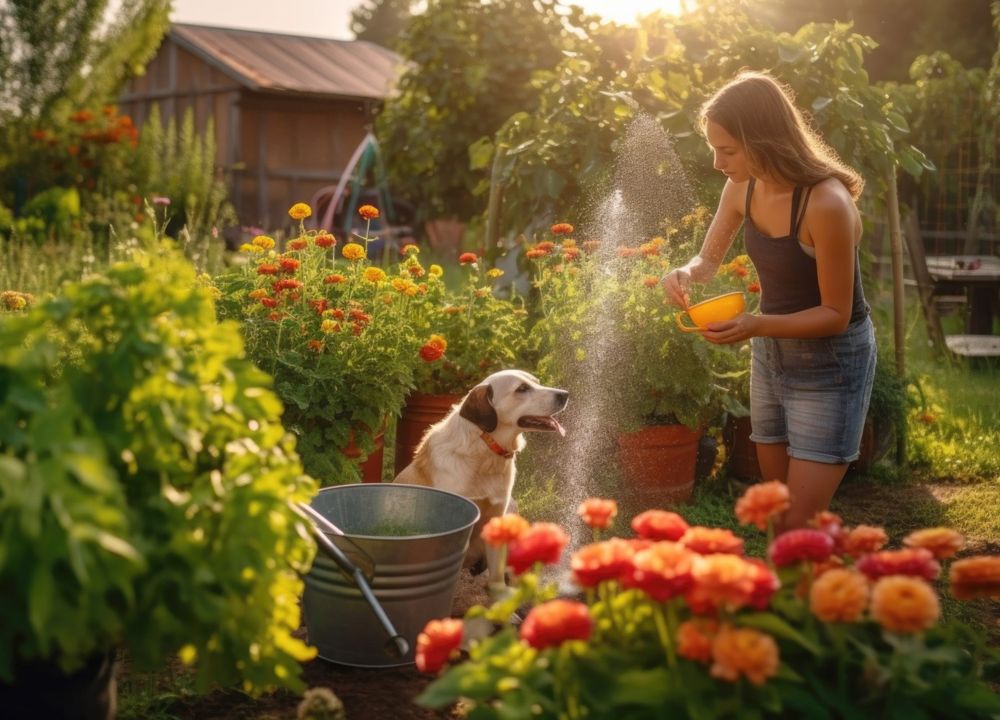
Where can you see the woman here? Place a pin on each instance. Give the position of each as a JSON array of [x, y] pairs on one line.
[[813, 357]]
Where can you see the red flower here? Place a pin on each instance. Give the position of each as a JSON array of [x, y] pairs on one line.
[[754, 287], [333, 279], [562, 229], [325, 240], [318, 305], [659, 525], [595, 563], [917, 562], [467, 258], [315, 345], [554, 622], [542, 542], [711, 541], [360, 316], [286, 284], [431, 352], [436, 644], [288, 265], [800, 545], [298, 244], [765, 584], [597, 513], [535, 252], [267, 269], [663, 571], [269, 302], [650, 281], [368, 212]]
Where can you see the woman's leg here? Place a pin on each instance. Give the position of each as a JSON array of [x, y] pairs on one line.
[[811, 486], [773, 460]]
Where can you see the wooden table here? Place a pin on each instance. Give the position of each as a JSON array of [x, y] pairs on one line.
[[979, 277]]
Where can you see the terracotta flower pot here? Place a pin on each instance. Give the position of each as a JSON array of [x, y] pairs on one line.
[[371, 467], [658, 463], [420, 412]]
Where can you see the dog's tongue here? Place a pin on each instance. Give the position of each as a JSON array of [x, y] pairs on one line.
[[542, 421], [557, 426]]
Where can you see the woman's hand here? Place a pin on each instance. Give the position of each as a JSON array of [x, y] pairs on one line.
[[740, 328], [675, 285]]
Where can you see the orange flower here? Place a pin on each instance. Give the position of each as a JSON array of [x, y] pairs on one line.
[[415, 270], [917, 562], [334, 279], [436, 644], [863, 539], [591, 245], [753, 287], [597, 513], [623, 251], [694, 639], [504, 529], [267, 269], [746, 652], [374, 274], [269, 302], [571, 253], [264, 242], [430, 353], [353, 251], [707, 541], [659, 525], [562, 229], [977, 576], [409, 249], [650, 281], [467, 258], [288, 265], [721, 581], [541, 542], [761, 503], [904, 604], [663, 571], [534, 253], [941, 541], [298, 244], [368, 212], [556, 621], [325, 240], [839, 595], [800, 545], [315, 345], [593, 564], [299, 211]]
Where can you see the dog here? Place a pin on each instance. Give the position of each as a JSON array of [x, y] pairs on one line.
[[471, 451]]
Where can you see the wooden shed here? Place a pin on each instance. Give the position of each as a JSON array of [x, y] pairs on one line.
[[288, 111]]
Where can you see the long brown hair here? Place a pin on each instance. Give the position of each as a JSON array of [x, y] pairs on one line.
[[759, 112]]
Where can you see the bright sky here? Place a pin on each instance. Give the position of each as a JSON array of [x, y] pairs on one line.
[[331, 18]]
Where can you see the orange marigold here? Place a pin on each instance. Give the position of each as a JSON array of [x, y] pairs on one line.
[[976, 576], [663, 570], [556, 621], [325, 240], [504, 529], [659, 525], [941, 541], [430, 353], [438, 642], [839, 595], [368, 212], [334, 279], [597, 513], [708, 541], [541, 542], [353, 251], [721, 581], [533, 253], [863, 539], [761, 503], [744, 652], [298, 244], [467, 258], [650, 281], [264, 242], [299, 211], [694, 639], [288, 265], [562, 229], [595, 563], [374, 274], [904, 604]]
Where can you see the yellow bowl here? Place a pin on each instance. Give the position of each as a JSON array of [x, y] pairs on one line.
[[717, 309]]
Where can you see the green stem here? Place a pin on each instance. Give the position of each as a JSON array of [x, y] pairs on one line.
[[662, 630]]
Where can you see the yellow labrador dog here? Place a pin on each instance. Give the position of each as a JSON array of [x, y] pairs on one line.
[[471, 452]]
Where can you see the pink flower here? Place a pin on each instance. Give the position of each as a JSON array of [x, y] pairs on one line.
[[916, 562], [659, 525], [800, 545]]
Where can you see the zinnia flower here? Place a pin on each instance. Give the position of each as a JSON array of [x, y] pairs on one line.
[[595, 563], [267, 269], [299, 211], [541, 542], [707, 541], [533, 253], [839, 595], [765, 584], [941, 541], [904, 604], [721, 580], [663, 570], [761, 503], [694, 639], [800, 545], [431, 353], [597, 513], [325, 240], [562, 229], [659, 525], [288, 265], [746, 652], [504, 529], [862, 540], [269, 302], [298, 244], [334, 279], [977, 576], [438, 641], [556, 621], [368, 212], [353, 251], [374, 274], [467, 258], [917, 562]]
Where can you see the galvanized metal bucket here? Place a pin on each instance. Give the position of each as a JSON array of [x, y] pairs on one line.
[[416, 536]]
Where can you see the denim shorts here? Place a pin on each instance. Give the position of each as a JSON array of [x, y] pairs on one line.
[[813, 393]]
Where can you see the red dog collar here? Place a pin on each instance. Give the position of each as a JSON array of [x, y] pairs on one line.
[[495, 446]]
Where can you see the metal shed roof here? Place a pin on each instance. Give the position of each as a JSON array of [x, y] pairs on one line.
[[288, 63]]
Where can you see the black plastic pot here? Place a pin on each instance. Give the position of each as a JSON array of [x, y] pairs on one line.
[[42, 690]]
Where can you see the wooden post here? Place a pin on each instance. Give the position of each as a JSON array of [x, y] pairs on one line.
[[493, 210], [925, 285], [898, 300]]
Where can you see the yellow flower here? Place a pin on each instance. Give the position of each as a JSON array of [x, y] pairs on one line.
[[839, 595], [438, 341], [299, 211], [188, 654], [247, 247], [264, 242], [436, 271], [329, 326], [258, 294], [904, 604], [494, 273], [374, 274], [353, 251]]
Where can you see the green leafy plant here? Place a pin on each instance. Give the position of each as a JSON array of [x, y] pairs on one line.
[[677, 622], [337, 333], [146, 485]]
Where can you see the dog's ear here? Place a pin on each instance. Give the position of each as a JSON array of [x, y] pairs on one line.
[[478, 408]]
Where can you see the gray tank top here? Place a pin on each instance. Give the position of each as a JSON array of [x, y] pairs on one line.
[[787, 274]]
